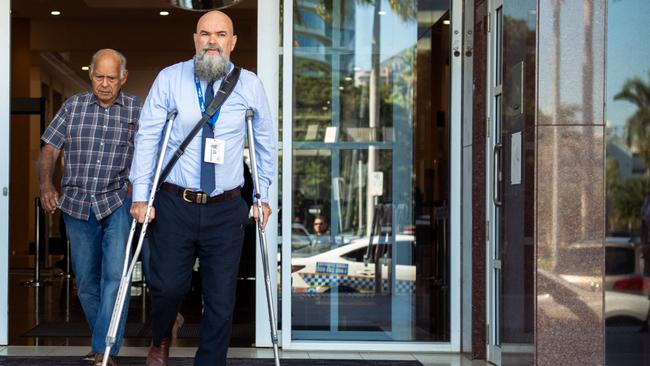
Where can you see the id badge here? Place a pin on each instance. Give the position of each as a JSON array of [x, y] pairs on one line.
[[214, 151]]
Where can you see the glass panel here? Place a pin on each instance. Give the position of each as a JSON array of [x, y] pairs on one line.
[[370, 257], [627, 244], [498, 28], [515, 217]]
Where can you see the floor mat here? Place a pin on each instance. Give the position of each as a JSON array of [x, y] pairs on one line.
[[63, 329], [133, 361], [133, 330]]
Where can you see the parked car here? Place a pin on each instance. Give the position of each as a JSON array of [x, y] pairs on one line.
[[623, 266], [562, 299], [619, 305], [352, 267]]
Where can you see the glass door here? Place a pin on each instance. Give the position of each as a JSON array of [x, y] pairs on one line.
[[367, 199], [495, 179], [510, 183]]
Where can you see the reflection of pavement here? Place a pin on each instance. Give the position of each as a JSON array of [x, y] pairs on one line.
[[356, 311], [626, 346]]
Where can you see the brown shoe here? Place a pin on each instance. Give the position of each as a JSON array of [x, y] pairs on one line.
[[158, 356], [99, 358], [90, 357], [178, 324]]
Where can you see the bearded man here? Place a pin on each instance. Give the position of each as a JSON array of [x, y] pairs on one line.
[[199, 209]]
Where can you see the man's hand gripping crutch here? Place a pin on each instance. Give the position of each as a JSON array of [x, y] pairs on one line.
[[261, 217], [129, 263]]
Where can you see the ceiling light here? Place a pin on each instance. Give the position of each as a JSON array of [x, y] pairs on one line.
[[164, 13], [446, 22], [55, 12], [85, 68], [381, 12]]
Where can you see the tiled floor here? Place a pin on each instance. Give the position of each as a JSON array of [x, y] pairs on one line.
[[424, 358]]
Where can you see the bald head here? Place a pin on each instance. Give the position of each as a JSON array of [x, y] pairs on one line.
[[214, 35], [215, 16], [111, 53]]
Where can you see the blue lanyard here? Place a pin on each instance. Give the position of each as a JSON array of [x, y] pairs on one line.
[[199, 92]]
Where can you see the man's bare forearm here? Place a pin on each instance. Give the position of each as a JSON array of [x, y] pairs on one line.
[[46, 161]]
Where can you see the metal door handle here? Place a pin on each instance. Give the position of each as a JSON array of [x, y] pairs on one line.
[[496, 174]]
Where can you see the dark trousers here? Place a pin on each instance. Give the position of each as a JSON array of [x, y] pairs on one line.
[[215, 233]]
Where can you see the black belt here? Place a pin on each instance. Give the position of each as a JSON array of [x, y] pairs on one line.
[[192, 196]]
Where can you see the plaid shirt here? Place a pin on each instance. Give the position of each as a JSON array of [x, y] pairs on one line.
[[97, 145]]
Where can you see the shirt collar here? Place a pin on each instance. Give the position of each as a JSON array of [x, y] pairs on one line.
[[119, 100]]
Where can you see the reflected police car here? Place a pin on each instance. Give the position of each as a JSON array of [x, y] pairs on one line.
[[352, 267]]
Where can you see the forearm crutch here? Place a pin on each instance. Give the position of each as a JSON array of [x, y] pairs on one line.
[[263, 247], [129, 263]]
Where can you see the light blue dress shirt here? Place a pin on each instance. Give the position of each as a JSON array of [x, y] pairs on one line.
[[175, 89]]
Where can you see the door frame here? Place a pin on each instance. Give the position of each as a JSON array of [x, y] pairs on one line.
[[455, 199], [493, 264], [268, 64], [5, 107]]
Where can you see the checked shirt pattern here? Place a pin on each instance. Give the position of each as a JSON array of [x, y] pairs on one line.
[[97, 145]]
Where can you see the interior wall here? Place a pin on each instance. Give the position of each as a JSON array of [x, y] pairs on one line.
[[20, 203]]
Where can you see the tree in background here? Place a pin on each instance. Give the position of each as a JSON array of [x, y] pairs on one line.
[[637, 92]]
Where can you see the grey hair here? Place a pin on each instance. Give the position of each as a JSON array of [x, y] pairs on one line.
[[116, 53]]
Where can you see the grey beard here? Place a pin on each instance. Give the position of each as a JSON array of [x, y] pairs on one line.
[[210, 67]]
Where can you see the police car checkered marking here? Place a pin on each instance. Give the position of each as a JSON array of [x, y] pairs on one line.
[[361, 284]]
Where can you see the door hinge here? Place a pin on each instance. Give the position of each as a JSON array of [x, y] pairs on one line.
[[5, 191], [488, 127], [487, 231], [489, 25]]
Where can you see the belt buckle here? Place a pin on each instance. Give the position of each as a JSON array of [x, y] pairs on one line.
[[199, 197], [184, 195]]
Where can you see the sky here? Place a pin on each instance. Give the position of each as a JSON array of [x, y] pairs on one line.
[[396, 34], [628, 53]]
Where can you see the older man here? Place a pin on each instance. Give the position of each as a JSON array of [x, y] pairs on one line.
[[95, 131], [199, 209]]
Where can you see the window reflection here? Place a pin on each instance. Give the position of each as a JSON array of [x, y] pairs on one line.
[[628, 186], [371, 163]]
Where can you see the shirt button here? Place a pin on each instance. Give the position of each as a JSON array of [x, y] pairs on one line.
[[92, 195], [95, 178], [98, 161], [101, 144]]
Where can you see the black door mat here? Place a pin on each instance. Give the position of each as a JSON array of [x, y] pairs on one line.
[[187, 361], [133, 330], [63, 329]]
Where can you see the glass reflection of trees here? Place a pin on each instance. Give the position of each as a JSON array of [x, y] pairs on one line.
[[626, 194]]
